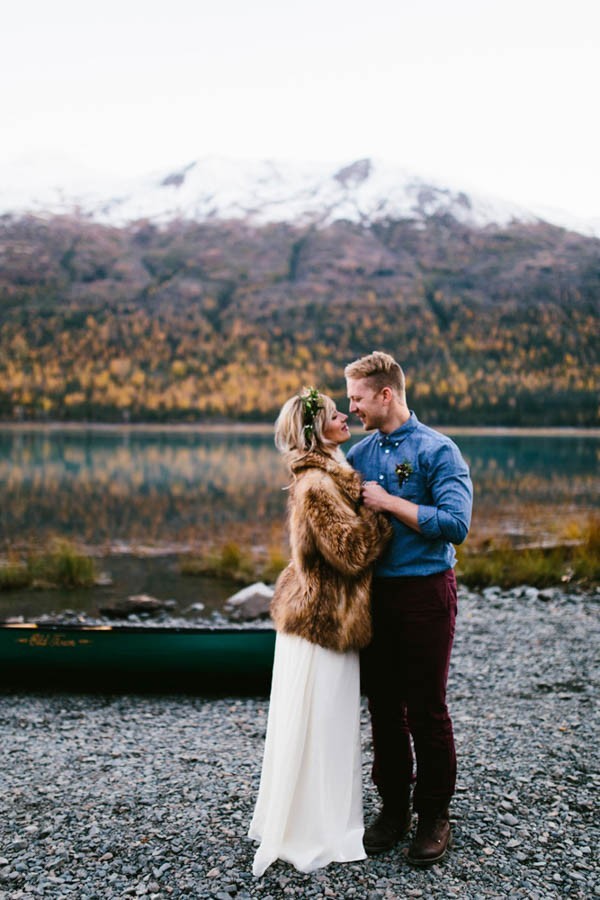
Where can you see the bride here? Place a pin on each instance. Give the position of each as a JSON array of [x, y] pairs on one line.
[[309, 806]]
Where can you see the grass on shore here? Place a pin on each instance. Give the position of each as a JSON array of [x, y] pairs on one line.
[[576, 561], [232, 563], [60, 566]]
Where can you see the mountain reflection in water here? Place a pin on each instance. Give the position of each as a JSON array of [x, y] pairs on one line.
[[175, 487]]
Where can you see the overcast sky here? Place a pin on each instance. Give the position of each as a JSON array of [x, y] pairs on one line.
[[497, 95]]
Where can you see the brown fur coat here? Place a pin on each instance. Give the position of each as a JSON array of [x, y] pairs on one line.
[[324, 593]]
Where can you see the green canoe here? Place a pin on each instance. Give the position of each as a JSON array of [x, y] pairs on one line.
[[122, 657]]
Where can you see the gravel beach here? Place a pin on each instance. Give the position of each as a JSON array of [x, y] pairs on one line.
[[143, 796]]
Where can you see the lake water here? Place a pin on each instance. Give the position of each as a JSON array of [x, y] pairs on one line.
[[172, 486], [159, 491]]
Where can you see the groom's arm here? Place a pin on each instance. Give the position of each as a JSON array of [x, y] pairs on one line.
[[448, 516]]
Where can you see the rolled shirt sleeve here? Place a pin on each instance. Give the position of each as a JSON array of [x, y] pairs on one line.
[[449, 516]]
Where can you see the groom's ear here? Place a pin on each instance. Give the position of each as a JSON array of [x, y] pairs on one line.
[[386, 394]]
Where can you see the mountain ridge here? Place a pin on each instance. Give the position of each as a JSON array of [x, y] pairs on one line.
[[259, 192]]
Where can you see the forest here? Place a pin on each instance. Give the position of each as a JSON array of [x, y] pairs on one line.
[[219, 321]]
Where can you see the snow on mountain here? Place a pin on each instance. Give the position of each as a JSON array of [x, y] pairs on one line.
[[256, 191]]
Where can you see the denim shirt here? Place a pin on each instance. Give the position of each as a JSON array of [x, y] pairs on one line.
[[438, 483]]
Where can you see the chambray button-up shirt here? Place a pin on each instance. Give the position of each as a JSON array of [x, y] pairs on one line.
[[438, 483]]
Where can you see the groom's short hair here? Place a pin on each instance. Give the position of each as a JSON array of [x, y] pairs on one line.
[[381, 368]]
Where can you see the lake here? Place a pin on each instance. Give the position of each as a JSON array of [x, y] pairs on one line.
[[159, 491], [123, 487]]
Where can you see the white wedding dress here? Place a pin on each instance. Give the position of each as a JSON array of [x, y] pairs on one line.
[[309, 807]]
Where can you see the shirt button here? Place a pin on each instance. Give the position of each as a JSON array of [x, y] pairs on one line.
[[381, 477], [388, 450]]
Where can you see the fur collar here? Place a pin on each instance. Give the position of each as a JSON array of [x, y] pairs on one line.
[[346, 478]]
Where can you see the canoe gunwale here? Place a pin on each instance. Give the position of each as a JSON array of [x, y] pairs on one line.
[[137, 629]]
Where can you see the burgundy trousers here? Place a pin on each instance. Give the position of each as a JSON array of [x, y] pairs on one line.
[[405, 671]]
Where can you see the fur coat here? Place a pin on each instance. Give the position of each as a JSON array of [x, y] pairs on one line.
[[324, 594]]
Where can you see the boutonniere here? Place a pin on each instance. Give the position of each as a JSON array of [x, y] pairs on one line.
[[403, 470]]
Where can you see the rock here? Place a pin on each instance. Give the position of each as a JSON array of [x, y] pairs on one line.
[[136, 603], [103, 580], [161, 870], [251, 602]]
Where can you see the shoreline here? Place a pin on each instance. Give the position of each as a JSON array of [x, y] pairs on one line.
[[267, 428]]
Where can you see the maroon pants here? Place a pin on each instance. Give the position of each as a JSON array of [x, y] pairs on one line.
[[405, 671]]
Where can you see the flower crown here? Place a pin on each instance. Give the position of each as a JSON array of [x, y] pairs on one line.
[[311, 404]]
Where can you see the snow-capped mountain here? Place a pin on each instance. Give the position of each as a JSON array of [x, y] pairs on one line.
[[259, 192]]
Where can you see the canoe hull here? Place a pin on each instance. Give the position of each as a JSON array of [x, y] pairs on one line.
[[195, 660]]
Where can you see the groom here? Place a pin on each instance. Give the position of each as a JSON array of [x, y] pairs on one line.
[[418, 477]]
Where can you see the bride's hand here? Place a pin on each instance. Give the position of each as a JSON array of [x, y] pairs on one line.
[[374, 496]]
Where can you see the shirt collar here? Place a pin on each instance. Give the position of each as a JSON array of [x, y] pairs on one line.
[[396, 437]]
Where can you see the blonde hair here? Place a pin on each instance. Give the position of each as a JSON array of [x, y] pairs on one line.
[[381, 369], [291, 432]]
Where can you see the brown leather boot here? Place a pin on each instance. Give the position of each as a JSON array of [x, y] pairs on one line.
[[390, 826], [430, 843]]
